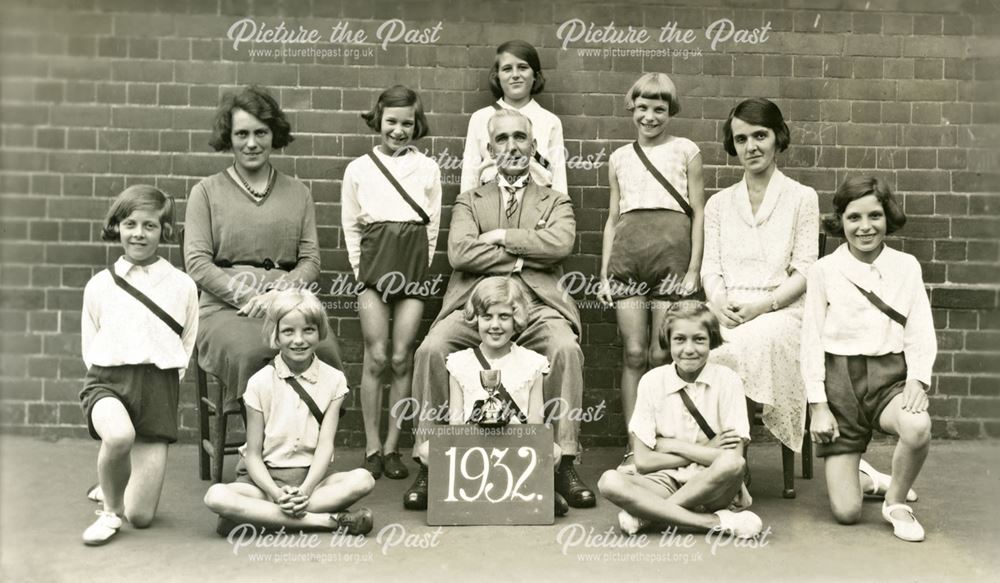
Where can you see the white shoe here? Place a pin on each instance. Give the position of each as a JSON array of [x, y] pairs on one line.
[[105, 527], [881, 481], [95, 494], [630, 524], [908, 530], [743, 524]]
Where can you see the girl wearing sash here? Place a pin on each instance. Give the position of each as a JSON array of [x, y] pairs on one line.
[[284, 477], [498, 310], [652, 248], [868, 348], [515, 78], [690, 430], [138, 327], [390, 212]]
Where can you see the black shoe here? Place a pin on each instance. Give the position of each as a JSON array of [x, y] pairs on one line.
[[569, 484], [373, 464], [416, 497], [357, 522], [561, 507], [393, 468]]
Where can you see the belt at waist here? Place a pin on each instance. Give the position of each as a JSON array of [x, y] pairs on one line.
[[266, 264]]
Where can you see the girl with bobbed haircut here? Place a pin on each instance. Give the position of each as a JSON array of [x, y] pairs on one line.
[[761, 112], [258, 102], [498, 290], [524, 51], [140, 196], [859, 187], [398, 96], [690, 310], [654, 86], [291, 300]]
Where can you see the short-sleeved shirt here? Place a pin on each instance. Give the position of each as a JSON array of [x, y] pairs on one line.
[[639, 189], [518, 371], [660, 412], [291, 433]]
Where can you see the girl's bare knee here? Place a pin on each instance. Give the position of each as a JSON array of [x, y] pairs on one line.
[[729, 465], [376, 358], [140, 518], [636, 357], [118, 442], [611, 485], [846, 513], [216, 497], [402, 362], [915, 430], [362, 482]]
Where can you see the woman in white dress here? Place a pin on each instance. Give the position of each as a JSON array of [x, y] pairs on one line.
[[760, 239]]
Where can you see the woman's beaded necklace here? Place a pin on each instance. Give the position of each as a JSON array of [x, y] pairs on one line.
[[249, 189]]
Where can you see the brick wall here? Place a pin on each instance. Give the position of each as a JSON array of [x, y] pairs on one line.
[[99, 94]]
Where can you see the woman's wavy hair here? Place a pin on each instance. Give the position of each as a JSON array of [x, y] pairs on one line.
[[256, 101], [759, 112]]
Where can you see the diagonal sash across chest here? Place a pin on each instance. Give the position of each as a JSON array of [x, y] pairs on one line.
[[149, 303], [424, 218]]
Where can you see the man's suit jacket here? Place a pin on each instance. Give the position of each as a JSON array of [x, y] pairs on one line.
[[545, 239]]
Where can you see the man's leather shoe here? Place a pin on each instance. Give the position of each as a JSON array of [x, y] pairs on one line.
[[416, 497], [569, 484], [561, 507]]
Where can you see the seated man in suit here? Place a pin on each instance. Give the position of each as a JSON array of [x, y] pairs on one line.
[[510, 226]]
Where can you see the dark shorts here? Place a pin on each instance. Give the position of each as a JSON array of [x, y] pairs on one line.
[[660, 478], [281, 476], [394, 260], [149, 394], [650, 254], [858, 389]]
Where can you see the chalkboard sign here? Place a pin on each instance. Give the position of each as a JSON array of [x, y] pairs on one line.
[[490, 476]]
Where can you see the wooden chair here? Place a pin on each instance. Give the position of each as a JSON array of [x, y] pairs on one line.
[[754, 410], [212, 439]]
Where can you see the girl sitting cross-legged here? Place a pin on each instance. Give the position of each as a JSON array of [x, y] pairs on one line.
[[284, 477], [688, 432]]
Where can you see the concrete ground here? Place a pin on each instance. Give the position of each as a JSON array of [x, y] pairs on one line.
[[44, 512]]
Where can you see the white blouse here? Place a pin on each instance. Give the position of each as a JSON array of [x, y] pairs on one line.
[[547, 132], [838, 319], [519, 370], [367, 196], [118, 330]]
